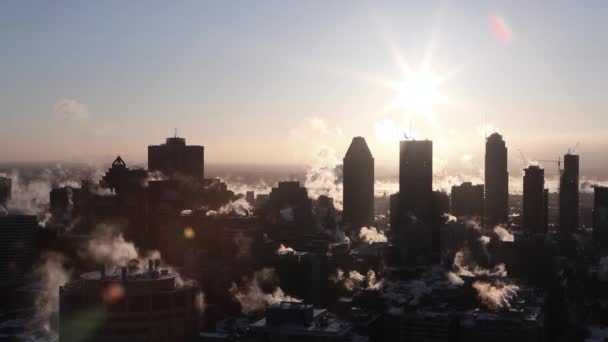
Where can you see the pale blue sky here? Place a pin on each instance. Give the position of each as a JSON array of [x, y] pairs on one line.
[[270, 81]]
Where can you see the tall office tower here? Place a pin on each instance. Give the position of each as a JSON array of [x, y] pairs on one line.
[[17, 246], [416, 180], [467, 199], [176, 158], [600, 217], [568, 195], [358, 190], [288, 203], [497, 181], [5, 191], [534, 207], [137, 304]]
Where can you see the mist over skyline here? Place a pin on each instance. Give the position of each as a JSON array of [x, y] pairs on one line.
[[275, 83]]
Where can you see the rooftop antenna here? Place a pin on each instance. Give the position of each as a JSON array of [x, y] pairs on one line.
[[486, 125], [176, 132], [411, 131]]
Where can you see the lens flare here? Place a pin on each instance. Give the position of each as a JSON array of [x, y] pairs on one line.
[[189, 233], [113, 293], [501, 30]]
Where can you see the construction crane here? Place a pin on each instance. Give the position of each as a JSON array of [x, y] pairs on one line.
[[558, 162], [524, 161], [571, 150]]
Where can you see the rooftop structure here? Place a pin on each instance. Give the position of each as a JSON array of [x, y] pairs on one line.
[[131, 305]]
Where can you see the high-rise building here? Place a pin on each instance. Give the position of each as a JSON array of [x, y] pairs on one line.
[[120, 178], [176, 158], [496, 181], [5, 191], [358, 190], [132, 305], [288, 203], [600, 217], [568, 195], [467, 199], [416, 180], [534, 206], [17, 246]]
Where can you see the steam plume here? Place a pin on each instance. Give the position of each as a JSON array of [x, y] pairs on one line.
[[371, 235], [252, 297]]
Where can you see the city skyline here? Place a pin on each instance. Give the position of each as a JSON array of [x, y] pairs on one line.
[[87, 86]]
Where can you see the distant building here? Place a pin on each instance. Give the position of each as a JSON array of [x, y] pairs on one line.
[[467, 199], [416, 180], [250, 197], [5, 191], [300, 275], [534, 202], [176, 158], [288, 321], [289, 204], [146, 305], [600, 217], [496, 181], [119, 177], [358, 187], [17, 246], [568, 195]]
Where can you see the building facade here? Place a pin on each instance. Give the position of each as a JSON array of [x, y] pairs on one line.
[[496, 181], [358, 187], [534, 206], [176, 158], [568, 195]]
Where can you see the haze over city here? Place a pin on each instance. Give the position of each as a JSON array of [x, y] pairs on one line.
[[256, 81], [362, 171]]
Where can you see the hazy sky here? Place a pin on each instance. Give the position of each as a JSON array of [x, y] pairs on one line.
[[272, 82]]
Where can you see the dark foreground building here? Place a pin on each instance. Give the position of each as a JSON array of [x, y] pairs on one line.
[[289, 321], [149, 305], [176, 158], [358, 185], [534, 202], [5, 190], [467, 199], [496, 181], [16, 248], [600, 217], [416, 180], [568, 195]]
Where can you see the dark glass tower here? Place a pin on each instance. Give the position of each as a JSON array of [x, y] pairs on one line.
[[416, 179], [534, 202], [496, 181], [568, 195], [358, 192]]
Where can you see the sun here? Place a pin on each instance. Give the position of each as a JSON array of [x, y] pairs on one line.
[[417, 92]]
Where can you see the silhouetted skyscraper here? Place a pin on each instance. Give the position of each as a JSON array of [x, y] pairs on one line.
[[175, 157], [289, 203], [568, 195], [416, 179], [467, 199], [5, 190], [358, 181], [496, 181], [600, 217], [534, 206]]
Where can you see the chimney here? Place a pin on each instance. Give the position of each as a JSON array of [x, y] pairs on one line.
[[156, 264], [124, 273], [150, 265]]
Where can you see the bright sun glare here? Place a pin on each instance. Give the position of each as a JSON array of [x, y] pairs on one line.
[[418, 92]]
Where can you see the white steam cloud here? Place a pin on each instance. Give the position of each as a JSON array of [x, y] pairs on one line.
[[251, 295], [372, 235]]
